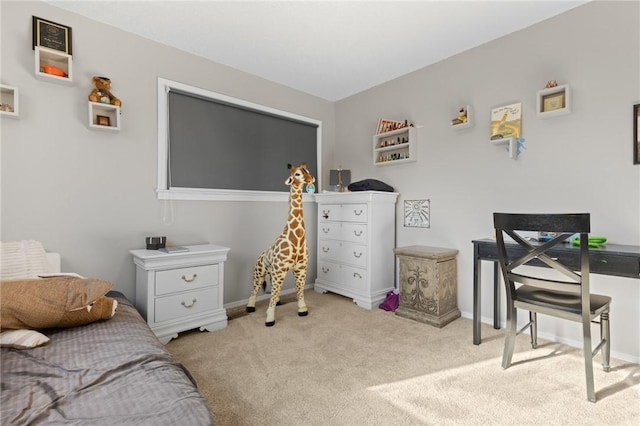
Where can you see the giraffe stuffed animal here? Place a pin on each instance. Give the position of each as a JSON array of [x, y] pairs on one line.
[[288, 252]]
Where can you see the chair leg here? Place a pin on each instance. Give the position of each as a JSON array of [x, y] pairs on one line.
[[605, 335], [588, 357], [533, 328], [510, 336]]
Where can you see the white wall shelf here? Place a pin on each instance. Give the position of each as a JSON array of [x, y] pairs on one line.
[[511, 142], [395, 147], [553, 101], [9, 101], [466, 124], [104, 116], [53, 66]]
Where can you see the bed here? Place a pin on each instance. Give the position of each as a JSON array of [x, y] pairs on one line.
[[107, 372]]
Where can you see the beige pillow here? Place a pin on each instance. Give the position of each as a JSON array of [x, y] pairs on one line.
[[22, 339], [22, 259], [45, 302]]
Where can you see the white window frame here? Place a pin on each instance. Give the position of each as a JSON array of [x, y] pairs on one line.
[[164, 192]]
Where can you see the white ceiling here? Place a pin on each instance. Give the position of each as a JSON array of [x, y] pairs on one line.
[[328, 49]]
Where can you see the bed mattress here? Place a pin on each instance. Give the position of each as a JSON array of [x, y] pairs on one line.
[[105, 373]]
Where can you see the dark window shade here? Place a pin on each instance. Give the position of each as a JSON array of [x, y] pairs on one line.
[[217, 145]]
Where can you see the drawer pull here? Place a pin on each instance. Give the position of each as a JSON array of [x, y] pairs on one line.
[[189, 280], [356, 275], [325, 213], [325, 270], [357, 255], [190, 305], [357, 213], [326, 230], [325, 249], [357, 233]]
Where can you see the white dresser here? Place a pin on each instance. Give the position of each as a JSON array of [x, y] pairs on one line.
[[356, 237], [181, 291]]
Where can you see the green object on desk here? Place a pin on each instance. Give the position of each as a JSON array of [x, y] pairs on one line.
[[594, 241]]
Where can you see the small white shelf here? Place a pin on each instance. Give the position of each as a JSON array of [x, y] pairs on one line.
[[9, 100], [553, 101], [513, 145], [104, 116], [59, 66], [468, 123], [395, 147]]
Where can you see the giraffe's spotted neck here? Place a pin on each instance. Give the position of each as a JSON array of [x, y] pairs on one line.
[[295, 220]]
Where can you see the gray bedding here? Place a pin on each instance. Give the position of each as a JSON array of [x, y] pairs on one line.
[[112, 372]]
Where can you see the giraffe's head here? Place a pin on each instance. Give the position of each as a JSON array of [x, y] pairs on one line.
[[299, 176]]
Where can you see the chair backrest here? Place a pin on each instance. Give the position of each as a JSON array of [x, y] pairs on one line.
[[561, 227]]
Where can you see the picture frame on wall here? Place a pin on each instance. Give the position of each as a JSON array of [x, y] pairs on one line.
[[553, 102], [51, 35], [636, 135], [417, 213], [103, 120]]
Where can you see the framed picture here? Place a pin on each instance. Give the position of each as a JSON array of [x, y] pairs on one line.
[[103, 120], [417, 214], [636, 136], [553, 102], [506, 121], [51, 35]]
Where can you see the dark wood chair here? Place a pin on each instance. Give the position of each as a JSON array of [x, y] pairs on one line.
[[567, 297]]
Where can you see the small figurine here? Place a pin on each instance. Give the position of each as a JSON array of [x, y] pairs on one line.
[[550, 84], [462, 117]]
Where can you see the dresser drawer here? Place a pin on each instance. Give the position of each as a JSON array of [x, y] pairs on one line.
[[183, 279], [347, 277], [186, 304], [343, 251], [354, 232], [345, 231], [343, 212], [332, 230]]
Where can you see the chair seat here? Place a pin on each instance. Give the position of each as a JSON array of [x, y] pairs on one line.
[[567, 302]]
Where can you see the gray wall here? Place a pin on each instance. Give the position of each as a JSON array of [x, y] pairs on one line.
[[90, 195], [572, 163]]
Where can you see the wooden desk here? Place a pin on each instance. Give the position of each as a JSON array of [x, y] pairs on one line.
[[611, 259]]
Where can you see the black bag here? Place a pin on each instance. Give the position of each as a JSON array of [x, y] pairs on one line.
[[370, 185]]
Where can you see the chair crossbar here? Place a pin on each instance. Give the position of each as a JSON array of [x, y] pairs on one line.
[[524, 327], [566, 286], [597, 348]]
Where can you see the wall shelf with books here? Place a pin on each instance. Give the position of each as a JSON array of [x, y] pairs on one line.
[[395, 147]]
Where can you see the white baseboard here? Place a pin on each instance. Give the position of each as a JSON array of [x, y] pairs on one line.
[[553, 338]]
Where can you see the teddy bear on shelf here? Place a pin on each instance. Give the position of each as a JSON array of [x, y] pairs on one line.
[[102, 92]]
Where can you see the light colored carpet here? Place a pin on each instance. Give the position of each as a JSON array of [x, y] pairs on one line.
[[345, 365]]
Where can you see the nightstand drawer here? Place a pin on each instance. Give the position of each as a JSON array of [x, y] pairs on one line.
[[186, 304], [184, 279]]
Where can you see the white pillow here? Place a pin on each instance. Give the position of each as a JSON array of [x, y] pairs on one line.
[[22, 339], [22, 259]]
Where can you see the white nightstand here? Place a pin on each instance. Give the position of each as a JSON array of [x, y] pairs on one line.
[[181, 291]]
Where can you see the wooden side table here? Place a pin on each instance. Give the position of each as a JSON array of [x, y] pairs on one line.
[[428, 284]]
